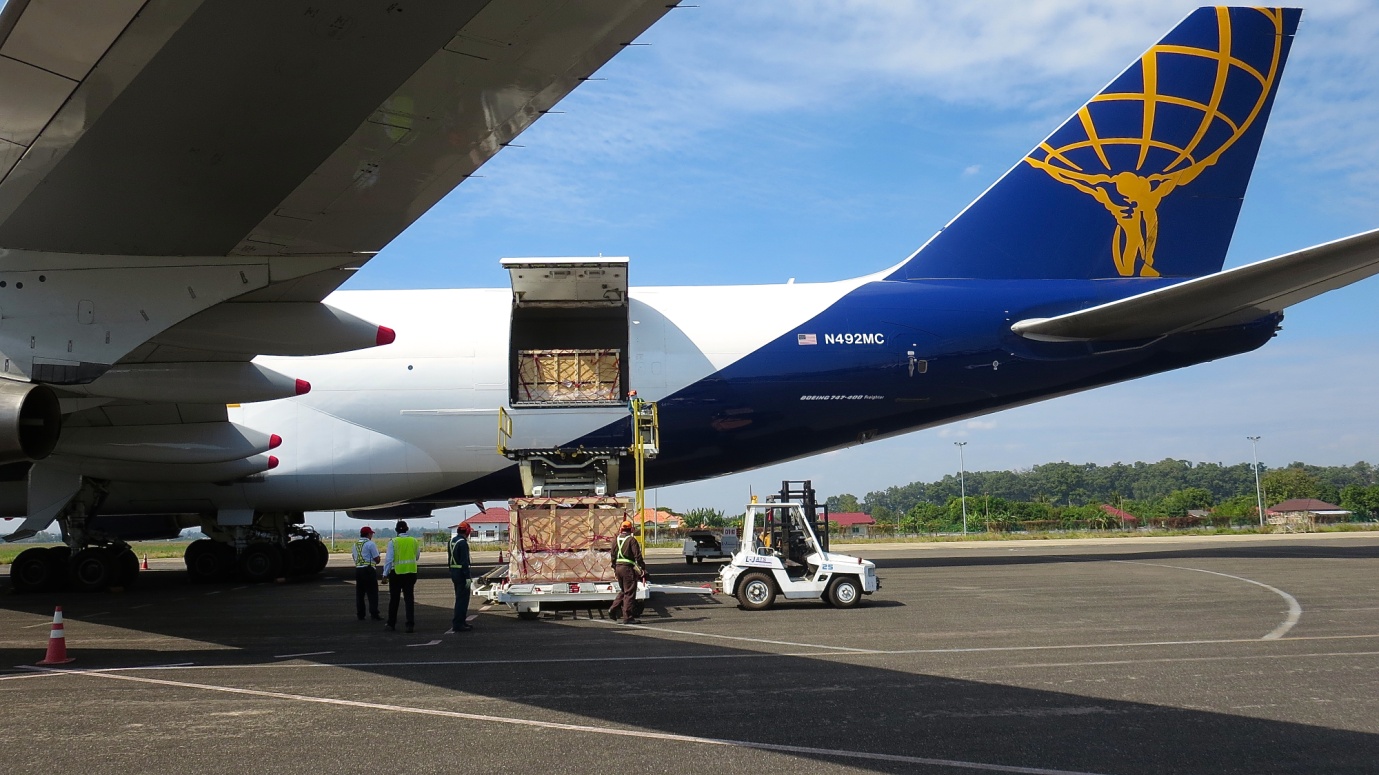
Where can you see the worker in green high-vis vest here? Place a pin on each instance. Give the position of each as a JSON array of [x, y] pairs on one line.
[[401, 571]]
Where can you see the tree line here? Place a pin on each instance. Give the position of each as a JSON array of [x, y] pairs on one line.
[[1070, 495]]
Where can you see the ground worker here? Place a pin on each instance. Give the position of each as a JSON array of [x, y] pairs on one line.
[[628, 566], [459, 576], [401, 571], [365, 553]]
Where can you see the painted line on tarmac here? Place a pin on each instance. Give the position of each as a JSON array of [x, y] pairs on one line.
[[1294, 608], [428, 643], [305, 654], [30, 672], [1169, 660], [589, 729], [737, 637]]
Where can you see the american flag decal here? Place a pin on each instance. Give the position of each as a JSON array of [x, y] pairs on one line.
[[807, 338]]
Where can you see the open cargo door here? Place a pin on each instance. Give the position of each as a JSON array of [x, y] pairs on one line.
[[569, 335]]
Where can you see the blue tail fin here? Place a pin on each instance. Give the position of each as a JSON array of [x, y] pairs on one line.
[[1146, 179]]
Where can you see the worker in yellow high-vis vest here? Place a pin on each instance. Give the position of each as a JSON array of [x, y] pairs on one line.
[[404, 552], [366, 559]]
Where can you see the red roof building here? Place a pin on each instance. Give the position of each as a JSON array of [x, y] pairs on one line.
[[490, 524], [852, 523]]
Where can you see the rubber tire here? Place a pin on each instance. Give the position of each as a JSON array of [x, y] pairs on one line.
[[59, 557], [844, 592], [126, 567], [689, 560], [322, 556], [92, 569], [261, 562], [528, 616], [756, 592], [33, 571], [205, 561], [300, 558]]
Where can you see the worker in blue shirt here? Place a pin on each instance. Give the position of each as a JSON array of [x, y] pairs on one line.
[[366, 559], [459, 576]]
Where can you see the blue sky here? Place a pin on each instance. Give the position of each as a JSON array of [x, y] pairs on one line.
[[752, 142]]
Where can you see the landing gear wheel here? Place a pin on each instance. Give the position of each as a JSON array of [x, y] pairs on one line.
[[301, 558], [59, 558], [528, 616], [33, 570], [689, 560], [92, 569], [261, 562], [756, 592], [322, 556], [208, 561], [844, 592], [126, 567]]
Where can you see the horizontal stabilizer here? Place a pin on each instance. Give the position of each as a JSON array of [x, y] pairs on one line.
[[1229, 298]]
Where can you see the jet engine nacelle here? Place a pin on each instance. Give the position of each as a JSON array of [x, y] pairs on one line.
[[30, 420]]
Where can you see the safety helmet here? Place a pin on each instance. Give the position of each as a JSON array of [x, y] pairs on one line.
[[366, 531], [465, 528], [627, 525]]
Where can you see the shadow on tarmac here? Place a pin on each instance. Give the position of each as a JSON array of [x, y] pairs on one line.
[[711, 689]]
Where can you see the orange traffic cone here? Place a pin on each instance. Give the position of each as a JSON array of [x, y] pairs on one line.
[[145, 565], [57, 643]]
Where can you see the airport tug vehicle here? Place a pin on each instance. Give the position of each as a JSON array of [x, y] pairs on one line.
[[785, 553], [711, 544]]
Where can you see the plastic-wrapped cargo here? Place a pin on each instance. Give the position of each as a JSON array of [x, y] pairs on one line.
[[568, 376], [563, 539]]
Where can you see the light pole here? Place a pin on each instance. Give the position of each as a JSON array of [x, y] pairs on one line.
[[962, 482], [1259, 493]]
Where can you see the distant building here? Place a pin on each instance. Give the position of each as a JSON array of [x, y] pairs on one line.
[[1125, 517], [1291, 513], [661, 519], [489, 525], [852, 523]]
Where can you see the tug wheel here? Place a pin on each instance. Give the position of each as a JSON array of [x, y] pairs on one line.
[[756, 592]]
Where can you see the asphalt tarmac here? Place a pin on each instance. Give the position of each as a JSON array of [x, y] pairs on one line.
[[1221, 655]]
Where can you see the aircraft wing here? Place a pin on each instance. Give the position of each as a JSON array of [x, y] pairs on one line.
[[234, 127], [1233, 297], [193, 177]]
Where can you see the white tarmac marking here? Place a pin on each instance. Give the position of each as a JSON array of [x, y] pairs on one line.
[[737, 637], [40, 624], [236, 589], [218, 591], [30, 673], [99, 613], [588, 729], [471, 617], [428, 643], [1294, 608], [1242, 657], [305, 654]]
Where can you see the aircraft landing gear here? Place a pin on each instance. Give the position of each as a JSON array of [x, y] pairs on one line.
[[274, 546]]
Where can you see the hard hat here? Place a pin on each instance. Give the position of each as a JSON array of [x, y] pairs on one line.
[[627, 524], [465, 528], [401, 526], [366, 531]]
